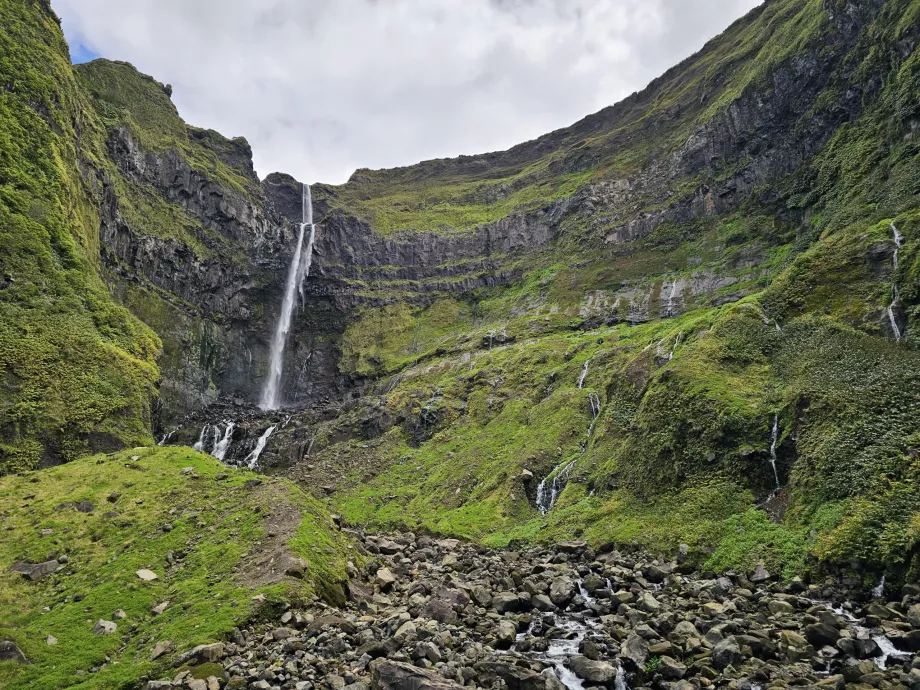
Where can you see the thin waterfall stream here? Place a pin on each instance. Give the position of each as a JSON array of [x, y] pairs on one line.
[[549, 489], [253, 458], [895, 292], [297, 273], [775, 438]]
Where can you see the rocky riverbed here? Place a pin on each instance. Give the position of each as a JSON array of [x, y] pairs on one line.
[[435, 614]]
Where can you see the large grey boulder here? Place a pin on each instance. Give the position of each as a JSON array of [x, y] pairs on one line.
[[394, 675], [35, 571], [595, 672], [726, 653], [562, 591]]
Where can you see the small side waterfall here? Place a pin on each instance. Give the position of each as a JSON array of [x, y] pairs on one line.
[[680, 334], [297, 273], [549, 489], [584, 373], [895, 293], [775, 438], [879, 589], [163, 441], [253, 457], [223, 445], [674, 288], [199, 444]]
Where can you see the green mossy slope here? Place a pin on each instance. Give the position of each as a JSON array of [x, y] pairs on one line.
[[78, 371], [174, 511]]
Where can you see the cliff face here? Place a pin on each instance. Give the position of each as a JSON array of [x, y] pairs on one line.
[[686, 305]]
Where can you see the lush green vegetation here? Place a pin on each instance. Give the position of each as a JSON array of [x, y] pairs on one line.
[[173, 511], [78, 371]]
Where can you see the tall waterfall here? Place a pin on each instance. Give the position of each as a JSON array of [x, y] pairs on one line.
[[895, 294], [298, 271]]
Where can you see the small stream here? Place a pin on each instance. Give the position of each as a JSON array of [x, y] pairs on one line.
[[574, 627]]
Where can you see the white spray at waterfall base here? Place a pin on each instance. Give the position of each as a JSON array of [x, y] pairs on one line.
[[297, 273]]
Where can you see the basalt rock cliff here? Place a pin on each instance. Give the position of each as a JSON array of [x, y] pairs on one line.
[[688, 318]]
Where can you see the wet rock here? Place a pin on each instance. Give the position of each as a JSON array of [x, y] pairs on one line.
[[562, 591], [10, 652], [596, 672], [394, 675], [726, 653]]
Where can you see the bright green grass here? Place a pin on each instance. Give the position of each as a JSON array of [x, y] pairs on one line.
[[214, 523]]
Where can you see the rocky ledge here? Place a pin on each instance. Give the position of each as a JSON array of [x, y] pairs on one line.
[[436, 614]]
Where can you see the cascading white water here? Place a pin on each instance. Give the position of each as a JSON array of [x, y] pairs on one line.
[[163, 441], [674, 347], [674, 288], [584, 373], [199, 444], [549, 489], [297, 273], [895, 293], [223, 445], [773, 450], [253, 457], [879, 589]]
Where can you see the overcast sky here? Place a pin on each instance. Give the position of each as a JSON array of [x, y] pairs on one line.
[[322, 87]]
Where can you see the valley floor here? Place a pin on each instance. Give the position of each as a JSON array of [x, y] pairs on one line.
[[437, 614]]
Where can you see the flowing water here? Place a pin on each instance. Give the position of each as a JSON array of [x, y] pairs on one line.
[[674, 288], [885, 645], [561, 650], [773, 451], [253, 457], [223, 445], [297, 273], [199, 444], [680, 334], [584, 373], [895, 293], [549, 489]]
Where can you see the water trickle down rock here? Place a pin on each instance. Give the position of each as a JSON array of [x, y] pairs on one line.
[[223, 445], [895, 293], [775, 438], [584, 373], [199, 444], [253, 457], [549, 489], [297, 273]]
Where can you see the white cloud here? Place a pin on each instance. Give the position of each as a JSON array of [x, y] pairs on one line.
[[321, 87]]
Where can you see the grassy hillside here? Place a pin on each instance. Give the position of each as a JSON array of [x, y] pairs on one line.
[[793, 328], [206, 532], [78, 371]]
